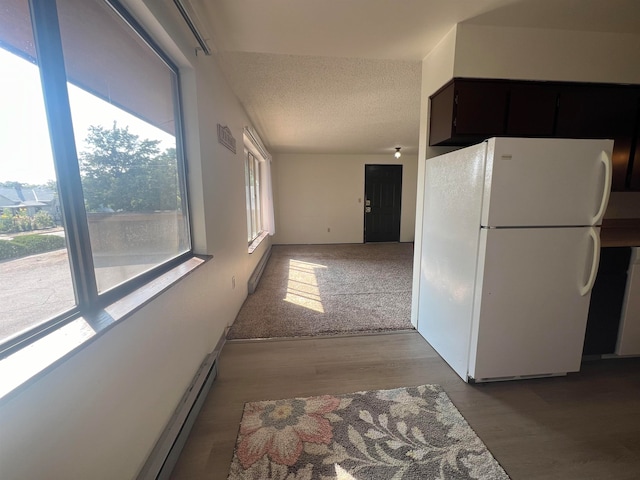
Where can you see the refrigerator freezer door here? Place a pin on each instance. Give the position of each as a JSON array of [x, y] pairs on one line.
[[546, 182], [530, 309], [450, 235]]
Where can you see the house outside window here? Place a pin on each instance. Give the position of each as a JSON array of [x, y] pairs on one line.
[[93, 199]]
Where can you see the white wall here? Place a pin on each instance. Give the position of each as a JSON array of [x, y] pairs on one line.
[[544, 54], [99, 414], [316, 193], [437, 69]]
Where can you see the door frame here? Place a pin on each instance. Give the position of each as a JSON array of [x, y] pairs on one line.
[[396, 167]]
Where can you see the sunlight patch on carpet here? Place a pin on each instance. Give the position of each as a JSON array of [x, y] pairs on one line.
[[302, 285]]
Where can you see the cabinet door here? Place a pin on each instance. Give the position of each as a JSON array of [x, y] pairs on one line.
[[468, 111], [629, 333], [606, 302], [481, 108], [441, 115], [634, 180], [601, 112], [532, 110], [634, 184], [596, 112]]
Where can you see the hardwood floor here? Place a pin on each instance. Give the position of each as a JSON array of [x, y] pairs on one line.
[[582, 426]]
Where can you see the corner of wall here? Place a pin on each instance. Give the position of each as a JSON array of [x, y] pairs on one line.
[[437, 69]]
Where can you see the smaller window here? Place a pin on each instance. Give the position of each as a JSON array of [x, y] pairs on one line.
[[253, 193]]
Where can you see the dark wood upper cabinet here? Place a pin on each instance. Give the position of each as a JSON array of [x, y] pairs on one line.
[[634, 176], [596, 111], [466, 111], [532, 110], [480, 108], [442, 115]]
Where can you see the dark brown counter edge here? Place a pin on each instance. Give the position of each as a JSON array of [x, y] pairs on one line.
[[620, 232]]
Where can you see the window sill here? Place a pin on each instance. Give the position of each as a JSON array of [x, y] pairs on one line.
[[253, 245], [25, 366]]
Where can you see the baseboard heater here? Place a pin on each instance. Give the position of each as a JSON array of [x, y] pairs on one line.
[[165, 454], [257, 273]]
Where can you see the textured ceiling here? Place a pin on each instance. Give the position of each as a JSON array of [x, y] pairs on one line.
[[343, 76], [304, 104]]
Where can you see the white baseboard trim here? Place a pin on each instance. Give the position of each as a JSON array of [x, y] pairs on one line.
[[165, 454], [252, 284]]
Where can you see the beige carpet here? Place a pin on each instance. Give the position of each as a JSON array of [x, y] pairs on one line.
[[412, 433], [329, 289]]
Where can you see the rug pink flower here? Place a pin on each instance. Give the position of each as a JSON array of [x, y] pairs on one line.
[[279, 429]]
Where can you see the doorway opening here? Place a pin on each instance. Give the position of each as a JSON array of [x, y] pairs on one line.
[[383, 196]]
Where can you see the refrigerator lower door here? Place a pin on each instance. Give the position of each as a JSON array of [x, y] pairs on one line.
[[531, 301]]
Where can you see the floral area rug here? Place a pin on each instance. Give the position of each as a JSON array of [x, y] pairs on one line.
[[405, 433]]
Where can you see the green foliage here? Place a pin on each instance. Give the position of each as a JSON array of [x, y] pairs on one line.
[[123, 173], [21, 222], [40, 243], [42, 220], [29, 245], [6, 221], [9, 249], [50, 184], [11, 184]]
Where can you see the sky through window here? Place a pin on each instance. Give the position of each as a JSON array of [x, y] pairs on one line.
[[24, 146]]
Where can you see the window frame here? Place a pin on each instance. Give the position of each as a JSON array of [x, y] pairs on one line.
[[253, 165], [90, 304]]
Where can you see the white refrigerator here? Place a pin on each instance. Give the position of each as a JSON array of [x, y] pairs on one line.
[[510, 251]]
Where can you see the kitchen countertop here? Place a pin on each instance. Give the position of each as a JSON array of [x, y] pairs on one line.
[[620, 232]]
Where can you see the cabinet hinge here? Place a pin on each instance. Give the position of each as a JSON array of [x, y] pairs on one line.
[[455, 121], [455, 99]]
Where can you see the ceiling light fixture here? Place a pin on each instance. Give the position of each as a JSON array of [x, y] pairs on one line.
[[397, 154]]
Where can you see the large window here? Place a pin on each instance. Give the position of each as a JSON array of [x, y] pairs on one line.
[[92, 191]]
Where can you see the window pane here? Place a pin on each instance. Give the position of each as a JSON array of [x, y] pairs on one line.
[[257, 215], [254, 204], [247, 169], [122, 97], [35, 276], [253, 198]]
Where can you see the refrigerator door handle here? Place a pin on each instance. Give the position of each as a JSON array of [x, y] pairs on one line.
[[593, 233], [606, 160]]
